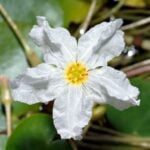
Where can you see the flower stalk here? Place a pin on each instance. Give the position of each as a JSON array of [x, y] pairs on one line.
[[83, 27], [31, 56], [6, 100], [136, 24], [109, 13], [138, 68]]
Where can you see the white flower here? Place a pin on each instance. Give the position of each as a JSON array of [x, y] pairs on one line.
[[75, 74]]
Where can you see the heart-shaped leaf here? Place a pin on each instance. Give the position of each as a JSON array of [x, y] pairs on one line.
[[36, 133], [19, 108], [135, 120]]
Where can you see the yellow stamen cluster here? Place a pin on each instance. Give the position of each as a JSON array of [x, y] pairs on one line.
[[76, 73]]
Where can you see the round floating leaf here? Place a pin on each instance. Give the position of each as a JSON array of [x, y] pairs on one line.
[[19, 108], [135, 120], [36, 133]]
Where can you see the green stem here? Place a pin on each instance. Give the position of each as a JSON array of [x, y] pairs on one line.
[[138, 68], [73, 144], [136, 24], [31, 56], [107, 130], [6, 100], [109, 13], [136, 11], [134, 141], [81, 30], [99, 146], [140, 31], [128, 17]]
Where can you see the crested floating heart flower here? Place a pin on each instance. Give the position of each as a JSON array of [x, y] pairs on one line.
[[76, 75]]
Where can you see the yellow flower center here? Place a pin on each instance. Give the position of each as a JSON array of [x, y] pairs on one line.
[[76, 73]]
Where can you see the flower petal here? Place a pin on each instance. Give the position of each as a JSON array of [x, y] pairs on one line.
[[114, 46], [71, 112], [101, 43], [56, 43], [112, 87], [35, 84]]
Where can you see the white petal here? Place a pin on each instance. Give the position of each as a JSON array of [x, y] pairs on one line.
[[114, 46], [101, 43], [112, 87], [60, 38], [71, 112], [35, 85], [57, 42]]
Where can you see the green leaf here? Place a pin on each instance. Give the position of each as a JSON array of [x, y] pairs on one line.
[[135, 120], [74, 10], [25, 13], [12, 60], [22, 108], [58, 12], [36, 133]]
